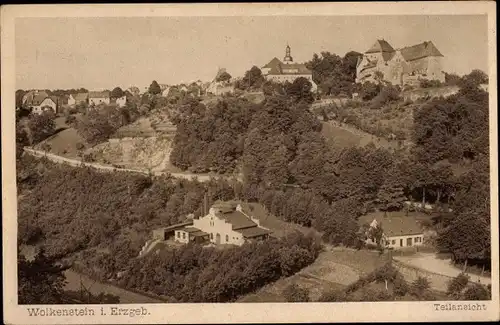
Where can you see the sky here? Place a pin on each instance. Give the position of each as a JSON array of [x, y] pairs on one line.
[[102, 53]]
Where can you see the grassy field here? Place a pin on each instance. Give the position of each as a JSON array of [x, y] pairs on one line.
[[333, 269], [345, 136], [64, 143]]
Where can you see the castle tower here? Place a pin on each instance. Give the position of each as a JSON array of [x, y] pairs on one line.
[[288, 58]]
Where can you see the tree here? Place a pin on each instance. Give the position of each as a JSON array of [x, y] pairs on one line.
[[451, 79], [474, 79], [420, 287], [376, 235], [40, 281], [294, 293], [252, 79], [41, 126], [154, 88], [300, 90], [476, 291], [19, 97], [391, 194], [117, 93], [22, 139], [457, 285], [223, 77]]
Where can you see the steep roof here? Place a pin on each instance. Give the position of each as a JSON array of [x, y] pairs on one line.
[[56, 99], [380, 46], [395, 223], [99, 94], [81, 97], [237, 219], [276, 67], [300, 67], [422, 50], [275, 62], [254, 232], [36, 98]]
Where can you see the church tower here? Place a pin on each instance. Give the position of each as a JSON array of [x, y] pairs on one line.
[[288, 58]]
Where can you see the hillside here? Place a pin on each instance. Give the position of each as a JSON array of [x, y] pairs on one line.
[[135, 153], [64, 143]]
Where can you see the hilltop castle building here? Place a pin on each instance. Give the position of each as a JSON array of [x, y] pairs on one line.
[[287, 70], [406, 66]]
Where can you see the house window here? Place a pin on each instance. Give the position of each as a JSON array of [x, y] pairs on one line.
[[178, 234], [183, 235], [211, 236], [227, 238], [393, 242]]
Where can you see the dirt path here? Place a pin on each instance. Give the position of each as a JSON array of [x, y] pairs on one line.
[[429, 262]]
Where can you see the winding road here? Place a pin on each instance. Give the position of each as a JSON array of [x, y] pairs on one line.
[[104, 168]]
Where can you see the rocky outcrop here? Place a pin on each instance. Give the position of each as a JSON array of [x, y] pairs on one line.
[[151, 153]]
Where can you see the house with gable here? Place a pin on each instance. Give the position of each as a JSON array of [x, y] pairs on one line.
[[78, 99], [287, 70], [405, 66], [400, 229], [99, 97], [39, 101], [226, 223]]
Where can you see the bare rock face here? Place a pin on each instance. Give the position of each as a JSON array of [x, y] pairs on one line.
[[152, 153]]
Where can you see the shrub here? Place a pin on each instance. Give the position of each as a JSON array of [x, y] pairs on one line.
[[419, 287], [294, 293], [333, 296], [424, 83], [457, 285], [476, 291], [401, 287], [369, 90]]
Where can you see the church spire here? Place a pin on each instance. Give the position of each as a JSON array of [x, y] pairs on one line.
[[288, 57]]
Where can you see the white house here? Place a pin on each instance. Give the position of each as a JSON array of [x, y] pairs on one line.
[[99, 97], [399, 229], [76, 99], [45, 104], [226, 223], [287, 70], [122, 101]]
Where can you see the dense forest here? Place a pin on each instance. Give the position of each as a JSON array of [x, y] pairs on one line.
[[286, 166], [283, 158]]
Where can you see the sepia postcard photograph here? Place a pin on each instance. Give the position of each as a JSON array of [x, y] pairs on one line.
[[262, 163]]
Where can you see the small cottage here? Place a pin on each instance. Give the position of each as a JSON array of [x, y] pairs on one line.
[[400, 229]]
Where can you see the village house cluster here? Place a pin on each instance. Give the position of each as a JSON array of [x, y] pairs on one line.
[[39, 100]]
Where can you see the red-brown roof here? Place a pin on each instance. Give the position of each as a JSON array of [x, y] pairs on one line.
[[254, 232], [37, 98], [81, 97], [237, 220], [380, 46], [394, 223], [422, 50], [99, 94], [276, 67]]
